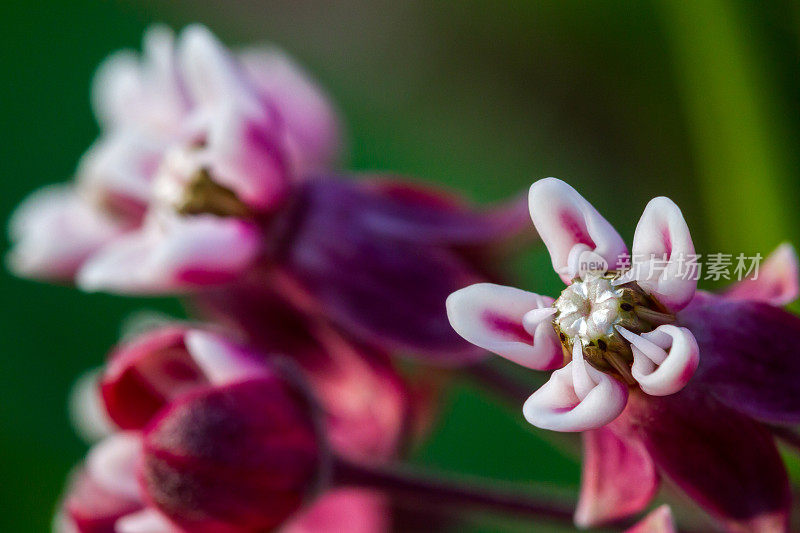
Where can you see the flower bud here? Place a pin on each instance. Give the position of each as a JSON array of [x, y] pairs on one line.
[[238, 457]]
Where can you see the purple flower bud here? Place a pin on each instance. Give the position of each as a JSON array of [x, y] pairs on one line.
[[240, 457]]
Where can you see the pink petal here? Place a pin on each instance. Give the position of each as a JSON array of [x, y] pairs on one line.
[[244, 152], [778, 281], [494, 318], [147, 520], [664, 360], [619, 478], [351, 510], [221, 360], [309, 115], [659, 520], [576, 398], [212, 75], [173, 254], [113, 463], [661, 246], [54, 231], [568, 224]]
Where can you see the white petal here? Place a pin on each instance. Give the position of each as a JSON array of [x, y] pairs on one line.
[[664, 359], [211, 73], [778, 280], [113, 463], [498, 319], [221, 360], [558, 406], [565, 220], [53, 232], [173, 254], [661, 246]]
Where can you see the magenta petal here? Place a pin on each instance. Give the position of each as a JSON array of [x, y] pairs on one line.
[[619, 478], [91, 508], [778, 281], [748, 355], [344, 247], [724, 461]]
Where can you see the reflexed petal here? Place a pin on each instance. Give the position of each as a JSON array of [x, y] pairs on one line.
[[619, 478], [212, 75], [565, 220], [350, 510], [748, 355], [113, 463], [778, 281], [659, 520], [559, 405], [54, 231], [91, 507], [661, 246], [145, 521], [494, 318], [724, 461], [173, 254], [309, 115], [86, 408], [410, 211], [664, 360]]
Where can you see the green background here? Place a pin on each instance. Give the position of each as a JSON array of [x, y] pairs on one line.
[[625, 100]]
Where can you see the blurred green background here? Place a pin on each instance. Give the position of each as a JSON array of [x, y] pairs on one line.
[[625, 100]]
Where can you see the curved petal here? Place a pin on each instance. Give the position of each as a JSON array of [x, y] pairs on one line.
[[309, 115], [172, 255], [112, 463], [54, 231], [576, 398], [348, 509], [661, 246], [664, 360], [659, 520], [411, 211], [748, 355], [724, 461], [777, 281], [565, 221], [510, 322], [212, 75], [619, 478]]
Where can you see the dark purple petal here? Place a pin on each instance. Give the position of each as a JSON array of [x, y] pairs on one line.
[[724, 461], [355, 253], [748, 355], [242, 457], [411, 211]]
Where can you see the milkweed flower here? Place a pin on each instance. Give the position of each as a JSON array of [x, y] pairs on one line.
[[664, 380], [155, 111]]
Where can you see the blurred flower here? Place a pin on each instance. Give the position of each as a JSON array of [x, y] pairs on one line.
[[189, 137], [634, 344], [659, 520]]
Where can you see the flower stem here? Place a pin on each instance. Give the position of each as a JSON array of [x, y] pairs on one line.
[[423, 490]]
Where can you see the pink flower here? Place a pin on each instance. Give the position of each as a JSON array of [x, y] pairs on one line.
[[683, 382], [193, 143]]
